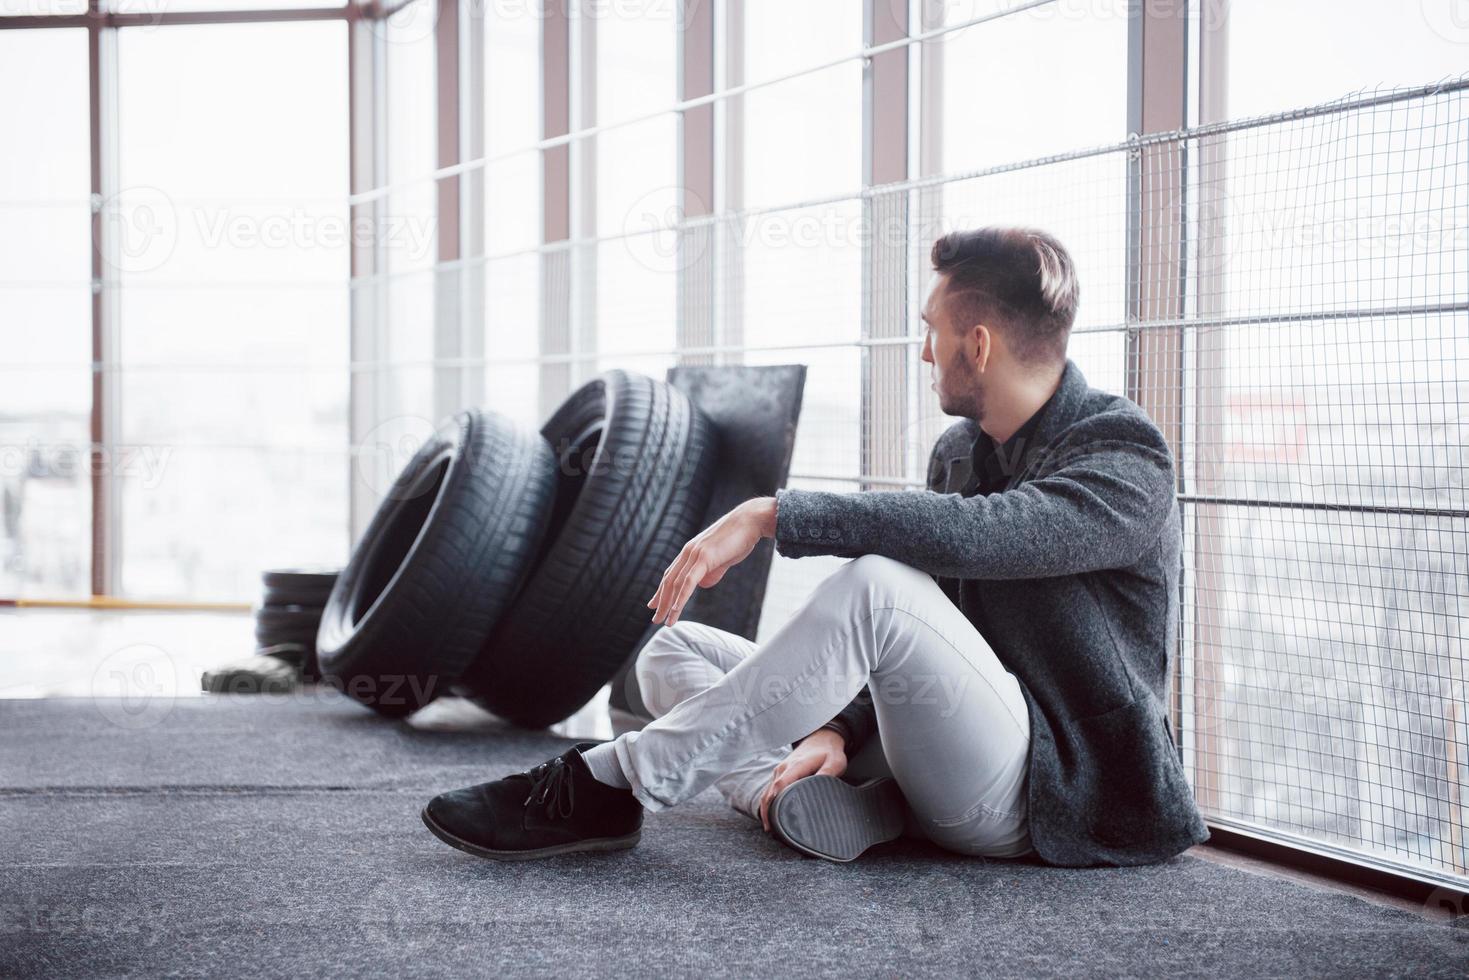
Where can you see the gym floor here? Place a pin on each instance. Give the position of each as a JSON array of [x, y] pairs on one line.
[[279, 835]]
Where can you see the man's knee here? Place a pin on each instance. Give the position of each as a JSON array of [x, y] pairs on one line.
[[660, 664], [874, 572]]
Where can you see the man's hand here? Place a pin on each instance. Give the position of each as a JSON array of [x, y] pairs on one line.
[[822, 752], [714, 551]]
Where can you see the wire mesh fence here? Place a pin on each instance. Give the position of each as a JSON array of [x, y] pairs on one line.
[[1321, 358]]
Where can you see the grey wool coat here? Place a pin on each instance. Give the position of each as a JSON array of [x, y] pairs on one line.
[[1071, 574]]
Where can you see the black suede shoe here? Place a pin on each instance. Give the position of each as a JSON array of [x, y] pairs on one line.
[[831, 818], [555, 808]]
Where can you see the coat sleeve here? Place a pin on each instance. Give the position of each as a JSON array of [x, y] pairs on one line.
[[1100, 498]]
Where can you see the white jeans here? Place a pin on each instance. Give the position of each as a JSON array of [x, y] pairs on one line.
[[953, 728]]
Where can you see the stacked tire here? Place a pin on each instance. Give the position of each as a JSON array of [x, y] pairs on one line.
[[286, 622], [636, 467], [447, 550], [516, 564], [291, 603]]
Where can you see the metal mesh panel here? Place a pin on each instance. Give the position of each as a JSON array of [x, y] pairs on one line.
[[1318, 373]]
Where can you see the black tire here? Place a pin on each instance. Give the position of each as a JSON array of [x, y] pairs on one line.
[[619, 522], [276, 598], [269, 638], [443, 556], [297, 586], [288, 617], [287, 624]]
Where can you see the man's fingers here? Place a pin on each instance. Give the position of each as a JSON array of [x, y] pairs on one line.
[[667, 581], [670, 595], [686, 589], [667, 573], [670, 580], [771, 791]]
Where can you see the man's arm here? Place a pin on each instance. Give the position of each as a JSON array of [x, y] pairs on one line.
[[1099, 505]]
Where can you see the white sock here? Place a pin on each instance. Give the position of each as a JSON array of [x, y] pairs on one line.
[[602, 761]]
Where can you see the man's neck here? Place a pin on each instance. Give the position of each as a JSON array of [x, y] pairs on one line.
[[1005, 412]]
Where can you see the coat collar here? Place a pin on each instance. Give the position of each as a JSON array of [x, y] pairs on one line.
[[1054, 417]]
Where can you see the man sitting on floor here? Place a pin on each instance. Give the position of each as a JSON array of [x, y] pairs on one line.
[[994, 663]]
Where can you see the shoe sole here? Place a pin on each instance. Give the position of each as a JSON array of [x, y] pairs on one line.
[[826, 817], [592, 844]]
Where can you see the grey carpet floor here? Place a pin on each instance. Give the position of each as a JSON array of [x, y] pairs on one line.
[[281, 837]]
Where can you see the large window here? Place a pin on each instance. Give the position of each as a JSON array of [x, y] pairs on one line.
[[628, 176], [45, 304], [236, 308], [172, 309]]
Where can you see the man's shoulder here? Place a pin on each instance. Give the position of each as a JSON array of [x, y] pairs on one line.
[[1107, 423], [1103, 415]]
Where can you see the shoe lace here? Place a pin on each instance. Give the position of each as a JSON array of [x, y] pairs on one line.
[[551, 784]]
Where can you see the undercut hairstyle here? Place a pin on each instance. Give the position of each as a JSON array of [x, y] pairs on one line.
[[1020, 278]]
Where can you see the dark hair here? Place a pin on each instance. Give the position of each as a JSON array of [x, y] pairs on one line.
[[1021, 277]]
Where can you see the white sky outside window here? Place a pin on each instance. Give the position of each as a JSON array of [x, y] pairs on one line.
[[45, 308], [636, 174], [800, 271], [1289, 53], [36, 8], [233, 311], [1342, 213], [1032, 84], [408, 233], [512, 195], [512, 122]]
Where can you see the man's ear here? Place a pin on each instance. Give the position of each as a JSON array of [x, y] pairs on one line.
[[983, 341]]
